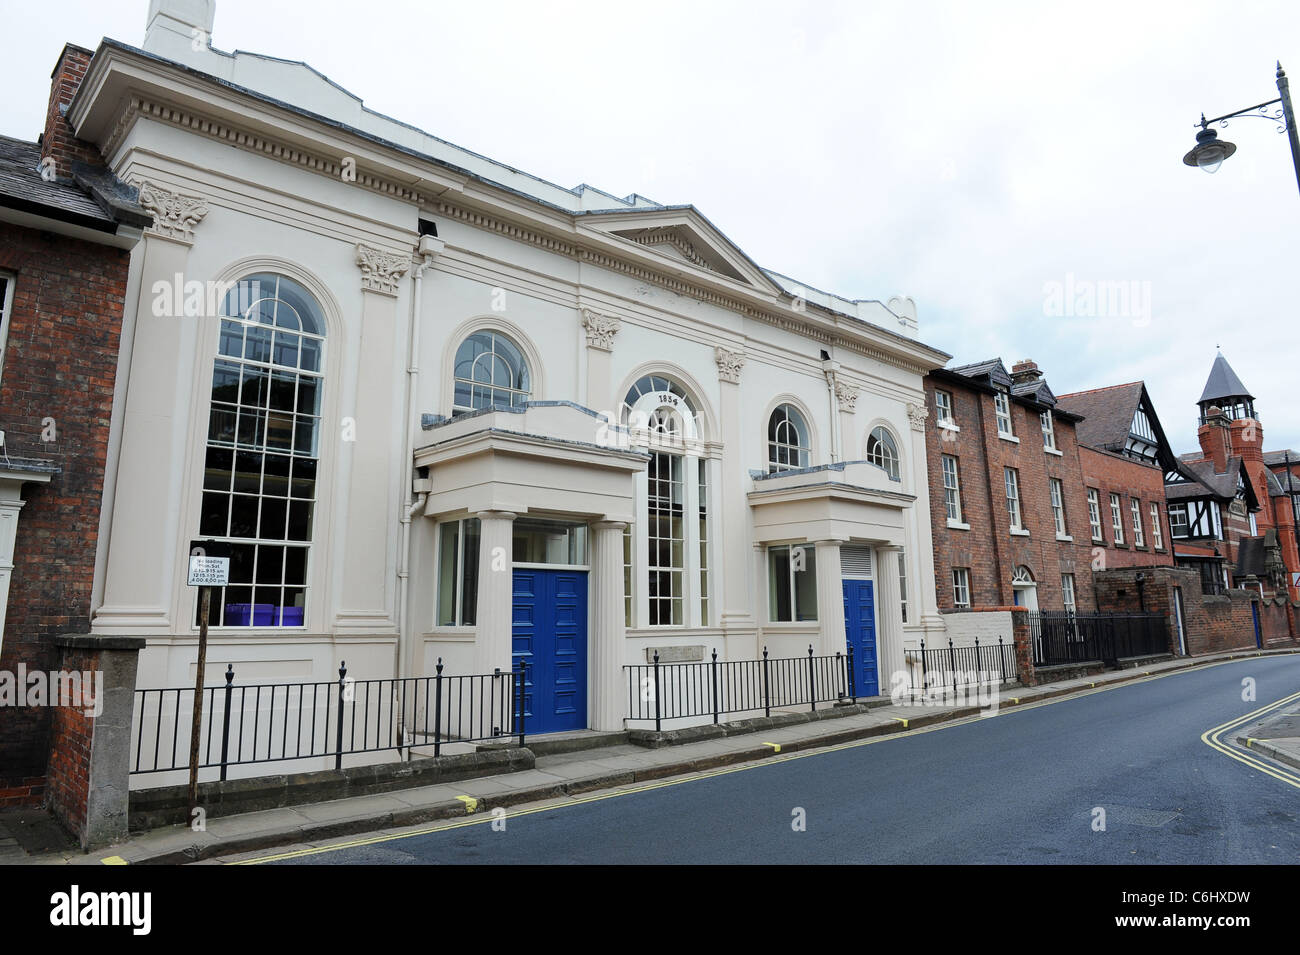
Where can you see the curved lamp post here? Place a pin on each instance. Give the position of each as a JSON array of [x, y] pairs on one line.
[[1210, 151]]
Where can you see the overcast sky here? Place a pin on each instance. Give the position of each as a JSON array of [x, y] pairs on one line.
[[967, 155]]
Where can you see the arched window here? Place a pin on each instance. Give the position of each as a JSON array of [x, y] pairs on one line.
[[788, 443], [1022, 575], [490, 372], [671, 555], [259, 479], [883, 452], [659, 405]]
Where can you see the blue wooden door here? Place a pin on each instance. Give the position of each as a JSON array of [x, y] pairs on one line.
[[860, 627], [1259, 637], [549, 625]]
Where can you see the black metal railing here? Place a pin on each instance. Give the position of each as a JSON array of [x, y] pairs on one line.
[[275, 722], [1061, 637], [672, 691], [953, 667]]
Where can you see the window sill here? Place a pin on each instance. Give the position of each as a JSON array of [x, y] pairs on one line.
[[1019, 532], [1099, 541], [1059, 454], [947, 426], [1009, 437], [958, 526], [1066, 538]]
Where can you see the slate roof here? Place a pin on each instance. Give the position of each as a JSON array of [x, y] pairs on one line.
[[1278, 458], [991, 369], [1107, 414], [93, 198], [1277, 484], [1223, 382], [1222, 486]]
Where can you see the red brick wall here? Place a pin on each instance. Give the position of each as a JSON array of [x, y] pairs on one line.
[[989, 549], [60, 363], [1212, 624], [1115, 474], [71, 731]]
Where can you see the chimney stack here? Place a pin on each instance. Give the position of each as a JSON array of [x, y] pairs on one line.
[[59, 147], [1215, 437], [1025, 370]]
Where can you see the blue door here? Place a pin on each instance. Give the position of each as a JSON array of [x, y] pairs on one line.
[[550, 635], [1259, 638], [860, 627]]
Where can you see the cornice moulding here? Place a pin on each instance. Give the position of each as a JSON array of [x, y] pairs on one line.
[[174, 96]]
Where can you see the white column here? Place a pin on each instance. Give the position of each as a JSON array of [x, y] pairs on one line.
[[495, 590], [365, 600], [736, 606], [830, 599], [605, 629], [889, 617]]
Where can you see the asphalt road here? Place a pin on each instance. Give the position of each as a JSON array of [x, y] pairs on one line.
[[1019, 787]]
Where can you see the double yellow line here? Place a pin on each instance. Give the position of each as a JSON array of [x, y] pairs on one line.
[[1213, 738]]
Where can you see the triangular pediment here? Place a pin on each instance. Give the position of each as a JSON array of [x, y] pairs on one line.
[[683, 236]]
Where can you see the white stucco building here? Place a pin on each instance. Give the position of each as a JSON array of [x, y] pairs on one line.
[[443, 409]]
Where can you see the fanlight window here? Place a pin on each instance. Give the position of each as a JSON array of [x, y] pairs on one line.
[[788, 444], [490, 372], [671, 413], [883, 452], [1022, 576]]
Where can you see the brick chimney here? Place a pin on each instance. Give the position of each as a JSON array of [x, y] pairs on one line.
[[57, 141], [1025, 370], [1215, 436]]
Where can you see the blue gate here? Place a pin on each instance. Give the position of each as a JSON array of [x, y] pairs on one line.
[[549, 625], [860, 628]]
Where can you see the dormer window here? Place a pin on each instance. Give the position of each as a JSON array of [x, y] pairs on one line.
[[1002, 406]]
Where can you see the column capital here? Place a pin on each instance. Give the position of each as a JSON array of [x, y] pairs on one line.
[[917, 414], [729, 364], [174, 214], [846, 395], [608, 525], [601, 329], [381, 269], [491, 514]]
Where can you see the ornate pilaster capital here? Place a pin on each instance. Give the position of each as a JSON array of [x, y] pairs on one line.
[[729, 364], [174, 215], [917, 414], [601, 329], [846, 395], [381, 270]]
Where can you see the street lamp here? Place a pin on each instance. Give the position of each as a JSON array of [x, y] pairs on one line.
[[1210, 151]]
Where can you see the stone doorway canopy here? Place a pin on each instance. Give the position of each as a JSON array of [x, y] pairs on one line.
[[552, 458]]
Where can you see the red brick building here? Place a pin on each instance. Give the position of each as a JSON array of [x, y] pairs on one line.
[[1257, 527], [66, 230], [1008, 506], [1123, 455]]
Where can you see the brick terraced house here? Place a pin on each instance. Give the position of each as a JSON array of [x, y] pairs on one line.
[[66, 230], [1124, 455], [1008, 507]]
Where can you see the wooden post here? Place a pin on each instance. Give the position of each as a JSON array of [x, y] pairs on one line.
[[196, 728]]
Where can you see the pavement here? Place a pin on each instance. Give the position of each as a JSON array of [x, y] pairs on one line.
[[571, 779], [1277, 737]]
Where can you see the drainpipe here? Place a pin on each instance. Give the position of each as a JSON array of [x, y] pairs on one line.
[[829, 369], [413, 501]]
